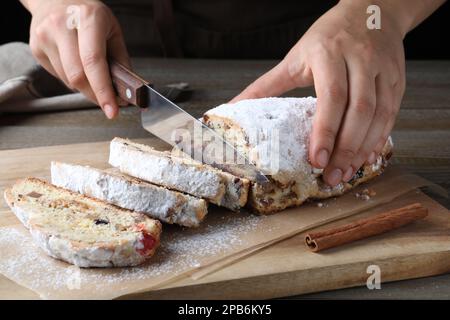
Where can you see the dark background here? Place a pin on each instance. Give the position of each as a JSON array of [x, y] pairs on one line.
[[430, 40]]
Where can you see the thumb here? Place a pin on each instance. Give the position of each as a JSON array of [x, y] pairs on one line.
[[275, 82]]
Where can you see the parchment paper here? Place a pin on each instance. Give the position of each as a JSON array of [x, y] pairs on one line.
[[223, 238]]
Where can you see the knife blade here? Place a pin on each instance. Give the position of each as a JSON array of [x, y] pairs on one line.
[[167, 121]]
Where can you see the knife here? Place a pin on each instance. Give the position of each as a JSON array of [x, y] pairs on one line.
[[164, 119]]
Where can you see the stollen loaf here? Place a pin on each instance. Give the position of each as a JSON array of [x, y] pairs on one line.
[[274, 134]]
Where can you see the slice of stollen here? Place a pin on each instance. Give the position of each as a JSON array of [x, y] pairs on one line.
[[130, 193], [179, 173], [80, 230]]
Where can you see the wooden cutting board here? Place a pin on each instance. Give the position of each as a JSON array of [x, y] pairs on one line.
[[288, 268], [284, 269]]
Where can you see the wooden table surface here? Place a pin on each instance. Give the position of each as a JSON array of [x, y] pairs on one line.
[[421, 134]]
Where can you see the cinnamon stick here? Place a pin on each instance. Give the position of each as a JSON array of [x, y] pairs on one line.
[[393, 219]]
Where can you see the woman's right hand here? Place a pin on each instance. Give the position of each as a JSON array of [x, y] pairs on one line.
[[72, 39]]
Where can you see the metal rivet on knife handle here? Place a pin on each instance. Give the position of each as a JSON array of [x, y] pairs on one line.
[[128, 93]]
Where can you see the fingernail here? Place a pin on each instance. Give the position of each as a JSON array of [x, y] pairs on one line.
[[109, 111], [372, 158], [322, 158], [379, 146], [348, 175], [335, 177]]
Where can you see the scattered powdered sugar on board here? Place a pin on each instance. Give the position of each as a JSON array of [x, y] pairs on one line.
[[181, 250], [213, 239], [21, 259]]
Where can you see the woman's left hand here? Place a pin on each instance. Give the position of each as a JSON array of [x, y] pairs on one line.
[[359, 79]]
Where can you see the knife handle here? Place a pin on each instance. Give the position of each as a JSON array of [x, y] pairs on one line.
[[128, 85]]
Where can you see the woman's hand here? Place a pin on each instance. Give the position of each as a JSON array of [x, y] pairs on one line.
[[78, 56], [359, 78]]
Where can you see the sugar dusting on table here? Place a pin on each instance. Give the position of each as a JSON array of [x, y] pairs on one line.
[[180, 250]]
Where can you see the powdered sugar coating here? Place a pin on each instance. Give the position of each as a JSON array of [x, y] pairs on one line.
[[290, 117], [147, 164], [157, 202]]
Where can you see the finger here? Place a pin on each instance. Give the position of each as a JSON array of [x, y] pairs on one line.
[[71, 64], [41, 57], [361, 107], [383, 114], [276, 81], [92, 45], [45, 63], [118, 51], [330, 82], [399, 90], [42, 47], [385, 135], [53, 58]]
